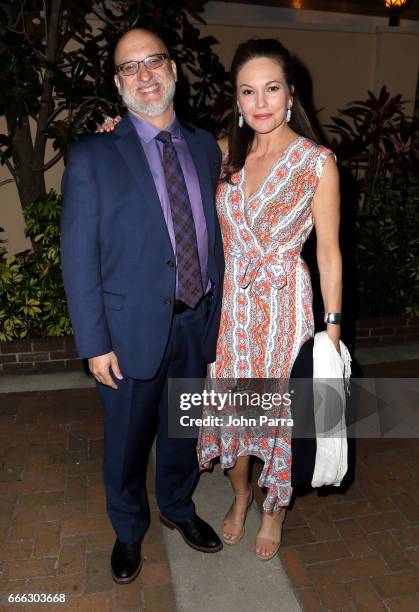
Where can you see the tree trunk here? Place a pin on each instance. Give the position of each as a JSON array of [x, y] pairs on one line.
[[30, 181], [46, 106], [28, 157]]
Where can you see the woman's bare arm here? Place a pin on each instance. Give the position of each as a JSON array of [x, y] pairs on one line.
[[326, 214]]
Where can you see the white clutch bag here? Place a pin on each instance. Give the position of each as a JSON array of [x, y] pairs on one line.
[[331, 374]]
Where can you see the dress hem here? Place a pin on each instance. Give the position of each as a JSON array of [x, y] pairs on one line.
[[260, 482]]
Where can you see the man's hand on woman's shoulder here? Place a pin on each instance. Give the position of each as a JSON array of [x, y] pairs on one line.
[[109, 124], [223, 144]]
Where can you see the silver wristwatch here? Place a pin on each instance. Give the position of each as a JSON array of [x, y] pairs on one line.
[[333, 317]]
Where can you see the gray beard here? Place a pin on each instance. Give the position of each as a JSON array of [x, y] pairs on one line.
[[154, 109]]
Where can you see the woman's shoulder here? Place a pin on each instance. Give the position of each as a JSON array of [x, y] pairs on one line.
[[317, 156], [316, 149], [314, 146]]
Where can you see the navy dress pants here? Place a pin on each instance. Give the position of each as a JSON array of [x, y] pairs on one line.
[[134, 414]]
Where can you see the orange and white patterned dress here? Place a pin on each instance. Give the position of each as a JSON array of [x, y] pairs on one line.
[[267, 301]]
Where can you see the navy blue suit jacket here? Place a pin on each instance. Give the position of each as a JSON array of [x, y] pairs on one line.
[[117, 258]]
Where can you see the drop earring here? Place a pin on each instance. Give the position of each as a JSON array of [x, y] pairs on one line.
[[241, 120], [288, 117]]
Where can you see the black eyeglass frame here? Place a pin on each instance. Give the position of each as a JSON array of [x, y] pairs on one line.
[[162, 56]]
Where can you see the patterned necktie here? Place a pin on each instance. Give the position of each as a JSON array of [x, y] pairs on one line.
[[189, 288]]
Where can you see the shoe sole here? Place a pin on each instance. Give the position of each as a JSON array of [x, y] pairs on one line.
[[127, 580], [172, 526]]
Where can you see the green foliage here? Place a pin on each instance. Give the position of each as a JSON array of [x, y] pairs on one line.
[[376, 140], [388, 250], [32, 299], [378, 144]]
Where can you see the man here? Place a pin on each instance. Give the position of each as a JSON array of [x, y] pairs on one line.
[[143, 267]]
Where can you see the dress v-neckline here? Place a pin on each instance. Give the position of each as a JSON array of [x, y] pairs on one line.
[[273, 167]]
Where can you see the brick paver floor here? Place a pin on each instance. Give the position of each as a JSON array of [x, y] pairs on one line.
[[360, 549], [55, 536], [357, 550]]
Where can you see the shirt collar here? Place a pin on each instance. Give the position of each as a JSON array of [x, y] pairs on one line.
[[147, 131]]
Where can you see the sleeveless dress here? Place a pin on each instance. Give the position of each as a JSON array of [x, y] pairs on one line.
[[266, 311]]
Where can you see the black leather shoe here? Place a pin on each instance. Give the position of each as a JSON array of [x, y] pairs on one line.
[[196, 533], [126, 561]]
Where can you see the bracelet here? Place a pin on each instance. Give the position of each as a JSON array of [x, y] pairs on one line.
[[333, 317]]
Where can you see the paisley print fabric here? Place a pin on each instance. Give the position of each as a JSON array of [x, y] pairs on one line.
[[267, 302]]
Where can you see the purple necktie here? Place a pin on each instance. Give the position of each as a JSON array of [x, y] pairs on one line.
[[189, 289]]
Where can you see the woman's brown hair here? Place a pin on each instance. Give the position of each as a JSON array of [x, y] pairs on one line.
[[240, 139]]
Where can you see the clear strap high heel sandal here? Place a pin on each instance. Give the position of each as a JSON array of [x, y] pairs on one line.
[[274, 545], [236, 539]]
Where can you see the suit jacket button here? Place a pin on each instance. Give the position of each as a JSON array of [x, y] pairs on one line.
[[171, 263], [168, 301]]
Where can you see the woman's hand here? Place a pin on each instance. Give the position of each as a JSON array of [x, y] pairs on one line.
[[333, 331], [109, 124]]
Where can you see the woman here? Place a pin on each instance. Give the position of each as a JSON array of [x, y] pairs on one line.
[[276, 184]]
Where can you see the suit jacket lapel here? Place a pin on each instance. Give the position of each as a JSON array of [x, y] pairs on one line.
[[129, 145], [206, 181]]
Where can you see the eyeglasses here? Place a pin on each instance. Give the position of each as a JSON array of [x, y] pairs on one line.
[[151, 63]]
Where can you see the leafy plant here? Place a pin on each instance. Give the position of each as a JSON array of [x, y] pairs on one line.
[[376, 141], [388, 249], [32, 299]]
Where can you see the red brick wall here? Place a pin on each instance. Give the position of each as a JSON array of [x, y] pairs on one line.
[[39, 355], [49, 354], [386, 330]]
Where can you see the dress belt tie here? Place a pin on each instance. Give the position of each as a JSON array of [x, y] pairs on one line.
[[265, 269]]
